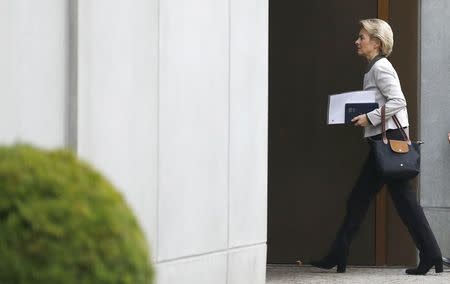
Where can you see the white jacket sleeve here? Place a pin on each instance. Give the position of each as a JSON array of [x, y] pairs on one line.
[[389, 86]]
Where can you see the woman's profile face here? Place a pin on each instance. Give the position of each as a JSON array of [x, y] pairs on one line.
[[365, 45]]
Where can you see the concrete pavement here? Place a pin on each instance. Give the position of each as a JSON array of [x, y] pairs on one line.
[[289, 274]]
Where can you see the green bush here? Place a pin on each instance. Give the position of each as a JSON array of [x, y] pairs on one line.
[[62, 222]]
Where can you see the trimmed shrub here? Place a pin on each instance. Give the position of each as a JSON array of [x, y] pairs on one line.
[[62, 222]]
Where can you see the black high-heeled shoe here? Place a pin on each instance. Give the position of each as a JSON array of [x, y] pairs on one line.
[[425, 266], [330, 262]]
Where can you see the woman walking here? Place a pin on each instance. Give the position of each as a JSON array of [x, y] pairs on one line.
[[375, 42]]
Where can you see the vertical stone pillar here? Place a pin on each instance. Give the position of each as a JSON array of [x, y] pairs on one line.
[[435, 117]]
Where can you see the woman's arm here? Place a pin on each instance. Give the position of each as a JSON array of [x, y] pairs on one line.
[[389, 86]]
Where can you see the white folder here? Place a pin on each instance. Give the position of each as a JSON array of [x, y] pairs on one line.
[[336, 104]]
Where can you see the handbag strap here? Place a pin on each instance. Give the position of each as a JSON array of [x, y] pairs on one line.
[[399, 126], [397, 123]]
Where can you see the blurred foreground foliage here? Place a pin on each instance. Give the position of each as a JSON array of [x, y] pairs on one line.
[[62, 222]]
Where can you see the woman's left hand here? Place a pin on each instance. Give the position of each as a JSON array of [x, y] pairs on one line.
[[360, 120]]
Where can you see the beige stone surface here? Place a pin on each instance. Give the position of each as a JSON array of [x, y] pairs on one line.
[[287, 274]]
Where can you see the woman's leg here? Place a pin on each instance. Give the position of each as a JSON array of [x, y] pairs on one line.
[[365, 189], [411, 214], [367, 186]]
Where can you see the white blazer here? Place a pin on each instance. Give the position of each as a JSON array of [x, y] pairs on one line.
[[383, 78]]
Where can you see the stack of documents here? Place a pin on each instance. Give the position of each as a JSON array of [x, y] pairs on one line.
[[337, 104]]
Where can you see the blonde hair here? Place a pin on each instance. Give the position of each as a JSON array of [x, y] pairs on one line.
[[380, 30]]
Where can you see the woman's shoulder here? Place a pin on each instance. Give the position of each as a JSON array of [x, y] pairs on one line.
[[383, 65]]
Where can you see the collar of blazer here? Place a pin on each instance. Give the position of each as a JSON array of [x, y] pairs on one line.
[[372, 62]]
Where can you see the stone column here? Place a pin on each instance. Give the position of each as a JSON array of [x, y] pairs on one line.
[[435, 117]]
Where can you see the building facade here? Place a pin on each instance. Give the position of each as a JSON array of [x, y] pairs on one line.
[[169, 100]]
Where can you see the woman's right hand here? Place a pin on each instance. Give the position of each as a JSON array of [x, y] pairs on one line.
[[360, 120]]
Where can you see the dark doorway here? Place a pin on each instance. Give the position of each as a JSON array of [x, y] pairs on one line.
[[312, 166]]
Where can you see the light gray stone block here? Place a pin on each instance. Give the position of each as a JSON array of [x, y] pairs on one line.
[[247, 265], [117, 99], [439, 222], [33, 72], [193, 127], [248, 122], [206, 269], [435, 103]]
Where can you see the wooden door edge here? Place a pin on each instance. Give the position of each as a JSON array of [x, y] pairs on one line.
[[381, 200]]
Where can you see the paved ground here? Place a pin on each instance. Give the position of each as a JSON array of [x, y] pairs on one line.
[[288, 274]]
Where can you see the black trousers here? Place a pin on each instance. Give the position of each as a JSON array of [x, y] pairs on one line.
[[404, 198]]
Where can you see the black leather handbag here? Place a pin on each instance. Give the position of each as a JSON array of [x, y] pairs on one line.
[[396, 159]]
